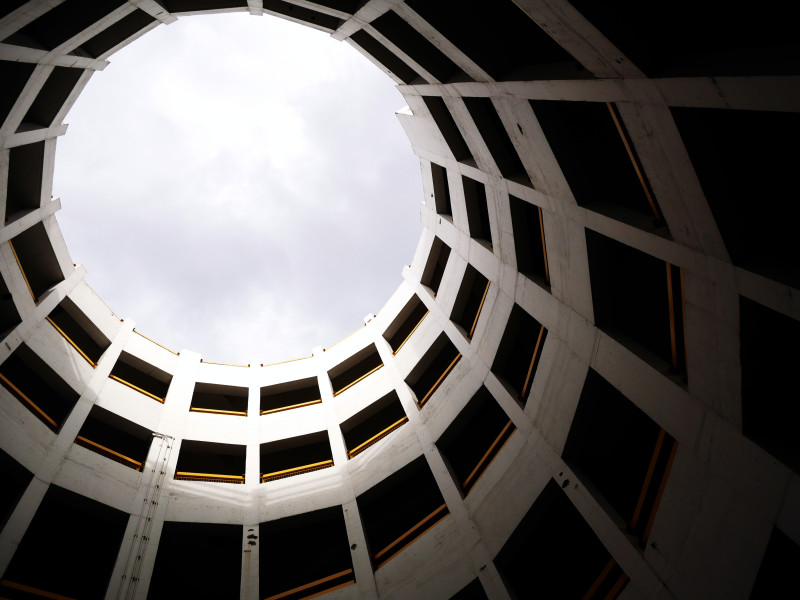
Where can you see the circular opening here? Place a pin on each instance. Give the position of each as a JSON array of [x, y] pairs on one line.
[[239, 186]]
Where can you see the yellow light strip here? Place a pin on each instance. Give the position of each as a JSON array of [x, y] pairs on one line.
[[364, 445], [486, 455], [671, 307], [32, 590], [138, 389], [480, 308], [21, 270], [403, 343], [439, 381], [296, 470], [544, 247], [189, 476], [236, 413], [19, 394], [280, 362], [211, 362], [156, 343], [352, 383], [660, 492], [647, 478], [599, 580], [282, 408], [409, 532], [528, 377], [109, 450], [300, 588], [73, 344], [345, 337]]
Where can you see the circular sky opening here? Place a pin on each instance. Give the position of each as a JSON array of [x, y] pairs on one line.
[[239, 186]]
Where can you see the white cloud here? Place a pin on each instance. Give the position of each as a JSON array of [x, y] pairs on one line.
[[240, 187]]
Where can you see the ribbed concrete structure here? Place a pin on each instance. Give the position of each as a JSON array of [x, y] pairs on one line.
[[583, 387]]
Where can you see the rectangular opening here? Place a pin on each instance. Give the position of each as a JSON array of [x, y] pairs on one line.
[[553, 553], [390, 61], [212, 462], [38, 387], [418, 47], [289, 568], [52, 96], [623, 453], [9, 315], [198, 560], [355, 369], [598, 159], [639, 301], [15, 481], [441, 191], [526, 51], [303, 14], [141, 376], [37, 260], [529, 243], [179, 6], [477, 211], [295, 456], [117, 33], [219, 399], [405, 324], [400, 509], [117, 439], [14, 76], [433, 368], [519, 353], [474, 439], [350, 7], [79, 330], [448, 128], [371, 425], [434, 268], [80, 532], [769, 355], [777, 572], [289, 395], [25, 171], [746, 162], [469, 301], [494, 134]]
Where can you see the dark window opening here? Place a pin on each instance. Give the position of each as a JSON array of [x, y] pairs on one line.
[[623, 453], [117, 33], [477, 210], [441, 191], [37, 260], [25, 171], [79, 330], [529, 242], [639, 301], [9, 315], [496, 137], [553, 553], [469, 301], [38, 387], [400, 509], [289, 395], [449, 129], [769, 356], [291, 569], [350, 7], [15, 481], [51, 98], [599, 162], [518, 354], [118, 439], [405, 324], [371, 425], [212, 462], [746, 161], [417, 46], [300, 13], [474, 439], [390, 62], [79, 532], [179, 6], [355, 369], [778, 571], [433, 368], [434, 269], [295, 456], [219, 399], [197, 560], [143, 377], [472, 591], [14, 76]]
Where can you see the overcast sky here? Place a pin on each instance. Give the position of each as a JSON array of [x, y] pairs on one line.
[[240, 186]]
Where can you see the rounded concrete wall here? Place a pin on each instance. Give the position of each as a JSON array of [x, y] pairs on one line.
[[581, 388]]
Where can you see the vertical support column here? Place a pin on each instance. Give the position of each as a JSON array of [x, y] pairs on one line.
[[249, 586]]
